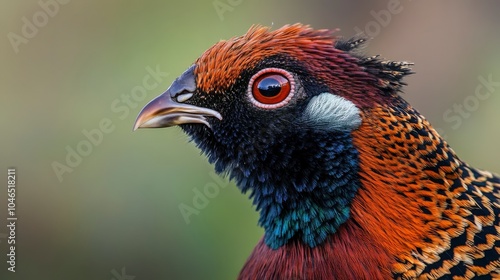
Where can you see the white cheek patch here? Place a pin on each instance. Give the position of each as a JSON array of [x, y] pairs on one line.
[[330, 112]]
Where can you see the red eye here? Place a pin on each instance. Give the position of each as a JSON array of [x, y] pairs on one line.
[[271, 88]]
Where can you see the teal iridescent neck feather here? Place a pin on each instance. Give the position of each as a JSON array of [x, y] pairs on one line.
[[302, 175], [302, 192], [313, 201]]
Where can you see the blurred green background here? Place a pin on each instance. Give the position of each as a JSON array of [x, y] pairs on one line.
[[119, 207]]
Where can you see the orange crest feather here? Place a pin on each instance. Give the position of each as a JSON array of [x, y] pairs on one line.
[[219, 67]]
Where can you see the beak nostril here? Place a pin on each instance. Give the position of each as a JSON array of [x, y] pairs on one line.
[[183, 97]]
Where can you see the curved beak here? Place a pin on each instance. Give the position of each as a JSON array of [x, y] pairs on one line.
[[163, 111]]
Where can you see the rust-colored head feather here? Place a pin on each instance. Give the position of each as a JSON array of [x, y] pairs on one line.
[[364, 80], [222, 64]]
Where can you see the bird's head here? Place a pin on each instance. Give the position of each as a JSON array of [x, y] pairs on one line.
[[276, 110]]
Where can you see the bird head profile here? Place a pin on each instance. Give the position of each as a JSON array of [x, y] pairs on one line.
[[350, 181]]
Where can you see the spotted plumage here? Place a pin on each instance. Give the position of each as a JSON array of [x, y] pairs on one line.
[[351, 182]]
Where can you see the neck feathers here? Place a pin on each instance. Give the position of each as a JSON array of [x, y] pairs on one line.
[[349, 254], [406, 171], [416, 196], [304, 193]]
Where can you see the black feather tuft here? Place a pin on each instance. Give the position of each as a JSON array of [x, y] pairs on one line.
[[390, 73], [351, 45]]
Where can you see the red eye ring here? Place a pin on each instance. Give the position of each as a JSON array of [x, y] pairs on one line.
[[271, 88]]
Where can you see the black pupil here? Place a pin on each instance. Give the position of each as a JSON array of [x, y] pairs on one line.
[[269, 87]]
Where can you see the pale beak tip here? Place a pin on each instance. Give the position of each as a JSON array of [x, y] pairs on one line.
[[137, 125]]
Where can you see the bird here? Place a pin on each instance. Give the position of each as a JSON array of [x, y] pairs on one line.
[[350, 181]]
